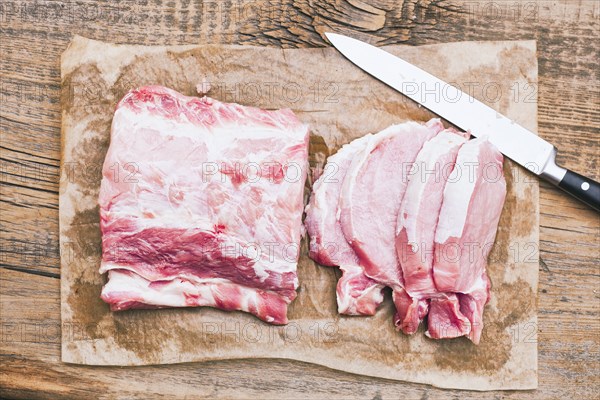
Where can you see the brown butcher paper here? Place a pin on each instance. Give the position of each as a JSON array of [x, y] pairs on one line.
[[341, 103]]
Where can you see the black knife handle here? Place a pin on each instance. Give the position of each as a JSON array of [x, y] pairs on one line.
[[585, 189]]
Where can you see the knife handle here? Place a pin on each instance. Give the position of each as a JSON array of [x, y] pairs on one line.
[[585, 189]]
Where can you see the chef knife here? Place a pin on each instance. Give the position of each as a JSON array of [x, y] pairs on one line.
[[513, 140]]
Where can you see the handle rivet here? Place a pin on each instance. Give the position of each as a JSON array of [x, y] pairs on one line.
[[585, 186]]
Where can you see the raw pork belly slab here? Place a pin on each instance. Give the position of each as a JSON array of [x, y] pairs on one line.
[[201, 204], [471, 207], [417, 219], [356, 293]]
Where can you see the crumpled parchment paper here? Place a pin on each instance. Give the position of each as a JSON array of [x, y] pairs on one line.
[[340, 102]]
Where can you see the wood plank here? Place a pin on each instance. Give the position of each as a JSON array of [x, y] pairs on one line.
[[34, 34]]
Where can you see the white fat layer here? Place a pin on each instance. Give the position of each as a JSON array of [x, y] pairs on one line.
[[458, 192], [228, 131], [426, 161], [169, 294], [173, 293]]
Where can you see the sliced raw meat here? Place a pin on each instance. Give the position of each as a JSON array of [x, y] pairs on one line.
[[356, 293], [420, 209], [328, 245], [369, 203], [468, 221], [201, 204], [473, 200], [372, 192]]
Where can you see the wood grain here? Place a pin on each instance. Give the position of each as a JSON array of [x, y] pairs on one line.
[[34, 34]]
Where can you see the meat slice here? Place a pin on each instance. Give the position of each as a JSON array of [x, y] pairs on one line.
[[471, 207], [328, 245], [372, 192], [420, 209], [468, 221], [356, 293], [369, 203], [201, 204], [417, 219]]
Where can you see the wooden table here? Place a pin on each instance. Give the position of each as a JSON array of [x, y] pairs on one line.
[[33, 35]]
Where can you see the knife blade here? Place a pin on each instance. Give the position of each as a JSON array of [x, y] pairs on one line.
[[468, 113]]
